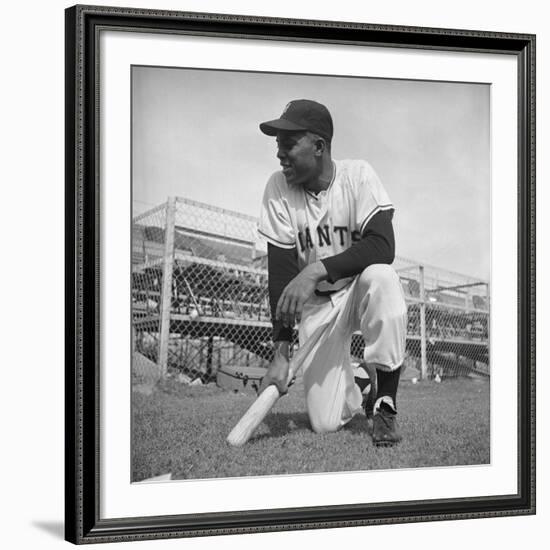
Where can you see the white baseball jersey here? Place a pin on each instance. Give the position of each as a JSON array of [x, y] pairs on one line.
[[322, 225]]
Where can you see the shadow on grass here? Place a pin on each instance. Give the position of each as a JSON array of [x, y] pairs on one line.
[[281, 424], [359, 425]]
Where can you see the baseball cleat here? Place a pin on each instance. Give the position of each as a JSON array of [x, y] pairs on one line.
[[384, 431]]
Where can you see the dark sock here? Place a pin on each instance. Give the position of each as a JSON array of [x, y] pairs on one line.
[[362, 382], [387, 384]]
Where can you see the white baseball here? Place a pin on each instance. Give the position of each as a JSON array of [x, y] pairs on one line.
[[194, 314]]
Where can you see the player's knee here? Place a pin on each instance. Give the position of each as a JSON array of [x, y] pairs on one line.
[[381, 275], [379, 286], [324, 425]]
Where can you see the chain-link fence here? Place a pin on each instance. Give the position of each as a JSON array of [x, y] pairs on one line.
[[448, 321], [148, 253], [200, 302]]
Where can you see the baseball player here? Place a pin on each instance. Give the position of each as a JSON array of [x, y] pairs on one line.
[[328, 225]]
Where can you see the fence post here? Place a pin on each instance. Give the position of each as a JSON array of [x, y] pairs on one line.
[[209, 358], [166, 295], [423, 359]]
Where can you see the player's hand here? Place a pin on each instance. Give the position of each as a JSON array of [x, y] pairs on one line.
[[297, 293], [277, 373]]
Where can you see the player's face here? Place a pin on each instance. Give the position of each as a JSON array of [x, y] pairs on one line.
[[299, 157]]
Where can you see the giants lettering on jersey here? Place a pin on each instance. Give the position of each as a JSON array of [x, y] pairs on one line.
[[326, 237], [325, 224]]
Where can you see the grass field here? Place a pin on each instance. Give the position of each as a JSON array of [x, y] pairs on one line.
[[182, 430]]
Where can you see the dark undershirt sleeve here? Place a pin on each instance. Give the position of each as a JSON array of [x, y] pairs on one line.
[[377, 246], [282, 267]]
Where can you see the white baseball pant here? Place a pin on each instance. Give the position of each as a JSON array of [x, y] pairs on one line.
[[373, 303]]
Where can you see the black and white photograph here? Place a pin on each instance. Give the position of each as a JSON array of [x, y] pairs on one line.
[[310, 273], [270, 274], [300, 274]]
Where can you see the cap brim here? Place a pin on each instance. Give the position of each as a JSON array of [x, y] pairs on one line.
[[271, 127]]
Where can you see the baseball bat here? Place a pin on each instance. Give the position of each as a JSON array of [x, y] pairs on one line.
[[253, 417]]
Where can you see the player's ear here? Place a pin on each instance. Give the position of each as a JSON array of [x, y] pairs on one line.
[[320, 145]]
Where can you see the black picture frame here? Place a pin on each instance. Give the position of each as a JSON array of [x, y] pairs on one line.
[[83, 524]]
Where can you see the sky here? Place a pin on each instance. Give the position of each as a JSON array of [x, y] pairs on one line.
[[195, 135]]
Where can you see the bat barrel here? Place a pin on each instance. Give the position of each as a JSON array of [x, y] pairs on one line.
[[253, 417]]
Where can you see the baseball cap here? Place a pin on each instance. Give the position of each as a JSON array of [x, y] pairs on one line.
[[301, 114]]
